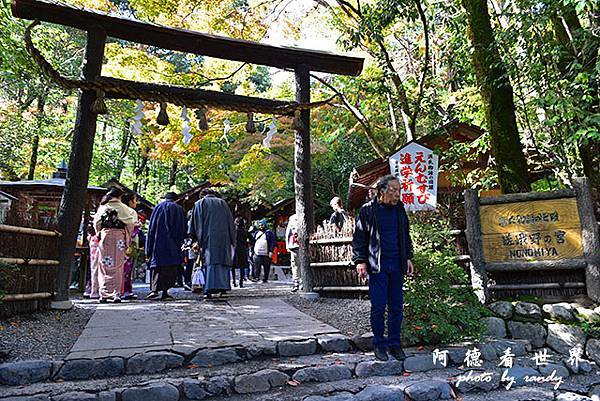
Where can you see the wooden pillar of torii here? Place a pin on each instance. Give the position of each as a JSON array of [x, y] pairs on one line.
[[99, 26]]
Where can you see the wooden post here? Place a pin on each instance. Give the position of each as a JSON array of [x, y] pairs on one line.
[[303, 178], [74, 194], [473, 234], [589, 236]]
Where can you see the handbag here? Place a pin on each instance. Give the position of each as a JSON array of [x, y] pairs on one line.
[[198, 278]]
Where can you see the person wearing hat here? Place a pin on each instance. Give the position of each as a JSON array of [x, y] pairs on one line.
[[211, 225], [264, 244], [166, 233]]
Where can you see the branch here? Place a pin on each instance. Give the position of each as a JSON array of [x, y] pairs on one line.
[[358, 115], [425, 70]]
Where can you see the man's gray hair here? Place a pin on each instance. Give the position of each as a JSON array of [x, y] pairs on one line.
[[383, 182]]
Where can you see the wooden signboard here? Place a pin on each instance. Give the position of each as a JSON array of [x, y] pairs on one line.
[[535, 243], [532, 230]]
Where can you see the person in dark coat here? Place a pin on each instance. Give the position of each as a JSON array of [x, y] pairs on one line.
[[212, 226], [240, 255], [382, 249], [166, 234]]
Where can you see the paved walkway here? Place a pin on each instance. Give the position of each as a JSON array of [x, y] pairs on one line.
[[187, 325]]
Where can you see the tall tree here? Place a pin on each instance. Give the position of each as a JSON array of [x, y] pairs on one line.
[[497, 94], [579, 55]]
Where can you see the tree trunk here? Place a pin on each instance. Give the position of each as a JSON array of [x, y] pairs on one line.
[[497, 94], [35, 144], [75, 192], [34, 154], [303, 179], [173, 174], [138, 173], [571, 41], [123, 152]]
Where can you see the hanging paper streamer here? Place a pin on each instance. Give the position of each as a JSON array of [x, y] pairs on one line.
[[136, 126], [272, 131], [226, 129], [185, 127]]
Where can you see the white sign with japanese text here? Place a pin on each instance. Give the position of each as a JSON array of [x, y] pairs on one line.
[[416, 166]]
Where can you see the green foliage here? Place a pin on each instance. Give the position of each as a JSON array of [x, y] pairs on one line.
[[591, 329], [435, 310]]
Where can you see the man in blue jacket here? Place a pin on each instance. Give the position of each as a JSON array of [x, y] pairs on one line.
[[382, 250], [166, 233]]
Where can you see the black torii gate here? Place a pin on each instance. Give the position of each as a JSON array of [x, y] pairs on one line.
[[99, 26]]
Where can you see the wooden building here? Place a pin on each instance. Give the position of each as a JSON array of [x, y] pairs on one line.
[[38, 200]]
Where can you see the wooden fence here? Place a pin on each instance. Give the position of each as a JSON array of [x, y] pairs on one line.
[[28, 262], [334, 274], [331, 261]]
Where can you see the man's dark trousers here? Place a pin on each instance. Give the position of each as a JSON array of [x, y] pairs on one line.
[[265, 263], [385, 288]]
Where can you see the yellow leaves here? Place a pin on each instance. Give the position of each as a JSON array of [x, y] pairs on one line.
[[136, 64]]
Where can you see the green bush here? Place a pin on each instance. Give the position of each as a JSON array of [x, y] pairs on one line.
[[435, 311], [591, 329]]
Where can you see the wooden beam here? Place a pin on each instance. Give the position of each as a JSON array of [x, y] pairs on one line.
[[153, 92], [537, 286], [29, 231], [589, 235], [479, 277], [565, 264], [527, 196], [74, 194], [29, 262], [25, 297], [187, 41]]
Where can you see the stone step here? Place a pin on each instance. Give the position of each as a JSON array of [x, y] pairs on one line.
[[160, 360], [332, 377]]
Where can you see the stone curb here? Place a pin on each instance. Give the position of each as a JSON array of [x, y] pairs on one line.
[[183, 389], [155, 361]]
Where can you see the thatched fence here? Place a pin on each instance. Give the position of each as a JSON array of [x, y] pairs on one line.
[[28, 262], [331, 262], [334, 274]]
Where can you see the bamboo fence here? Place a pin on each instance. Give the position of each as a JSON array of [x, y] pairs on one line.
[[28, 261], [331, 261]]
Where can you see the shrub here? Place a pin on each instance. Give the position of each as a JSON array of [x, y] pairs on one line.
[[439, 303]]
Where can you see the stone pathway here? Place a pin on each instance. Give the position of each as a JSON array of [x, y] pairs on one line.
[[131, 328]]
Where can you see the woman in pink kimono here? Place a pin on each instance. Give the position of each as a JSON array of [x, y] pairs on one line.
[[114, 223]]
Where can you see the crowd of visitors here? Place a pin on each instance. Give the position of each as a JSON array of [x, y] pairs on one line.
[[207, 249]]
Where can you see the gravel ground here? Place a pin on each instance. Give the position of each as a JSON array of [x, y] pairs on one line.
[[43, 335], [350, 316]]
